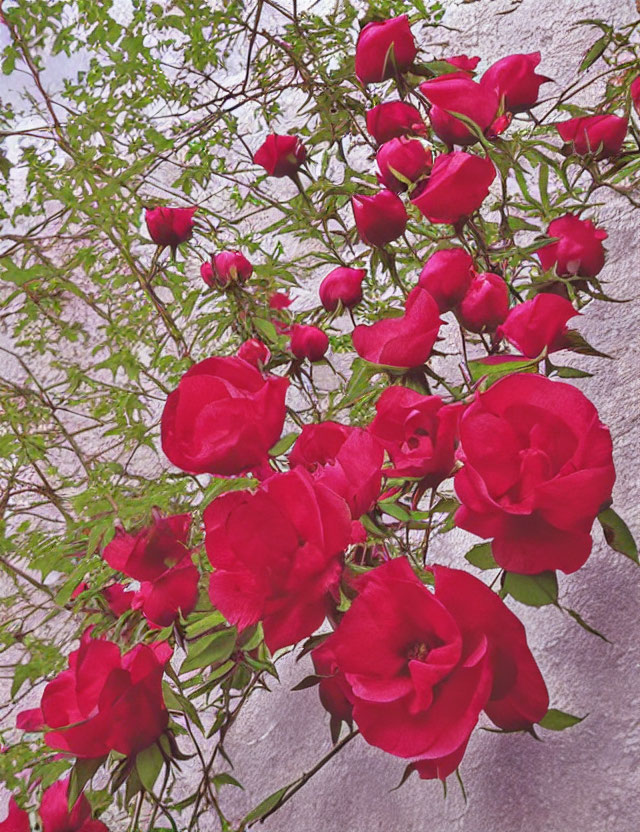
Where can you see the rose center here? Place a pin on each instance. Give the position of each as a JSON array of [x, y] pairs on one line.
[[418, 652]]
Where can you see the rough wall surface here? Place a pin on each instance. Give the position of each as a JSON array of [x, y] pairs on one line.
[[587, 778]]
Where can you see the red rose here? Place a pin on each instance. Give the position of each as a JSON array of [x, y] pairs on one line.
[[55, 814], [440, 659], [537, 470], [447, 276], [347, 460], [602, 135], [634, 90], [457, 93], [515, 82], [170, 226], [277, 554], [226, 268], [118, 598], [463, 62], [279, 300], [384, 48], [393, 119], [255, 352], [330, 689], [458, 185], [538, 323], [577, 252], [17, 819], [280, 155], [107, 702], [223, 417], [418, 432], [342, 285], [401, 342], [308, 342], [486, 303], [402, 157], [380, 218]]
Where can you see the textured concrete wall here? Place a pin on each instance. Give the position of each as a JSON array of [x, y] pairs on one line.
[[586, 778]]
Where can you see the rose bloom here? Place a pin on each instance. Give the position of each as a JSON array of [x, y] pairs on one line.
[[170, 226], [440, 659], [418, 432], [384, 47], [226, 268], [342, 285], [538, 323], [279, 300], [457, 93], [380, 218], [55, 814], [577, 252], [255, 352], [393, 119], [407, 158], [280, 155], [458, 185], [158, 557], [486, 303], [634, 91], [348, 460], [515, 82], [538, 469], [106, 701], [447, 276], [308, 342], [406, 341], [602, 135], [277, 555], [223, 417], [17, 819]]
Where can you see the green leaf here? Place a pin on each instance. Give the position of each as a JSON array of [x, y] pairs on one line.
[[81, 773], [594, 53], [307, 682], [361, 373], [263, 808], [225, 779], [577, 343], [571, 372], [283, 444], [617, 534], [210, 650], [493, 369], [555, 720], [481, 556], [533, 590], [149, 764]]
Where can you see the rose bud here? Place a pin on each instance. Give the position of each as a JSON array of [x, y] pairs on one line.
[[577, 252], [279, 300], [394, 119], [538, 323], [441, 657], [634, 89], [514, 81], [538, 469], [458, 185], [17, 819], [281, 155], [384, 48], [346, 459], [223, 417], [342, 285], [380, 218], [485, 305], [277, 554], [255, 352], [400, 160], [418, 432], [225, 269], [463, 62], [308, 342], [56, 815], [602, 135], [106, 701], [457, 93], [446, 276], [401, 342], [170, 226]]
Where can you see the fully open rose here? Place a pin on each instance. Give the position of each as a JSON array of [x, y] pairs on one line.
[[440, 659], [537, 470], [277, 554]]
